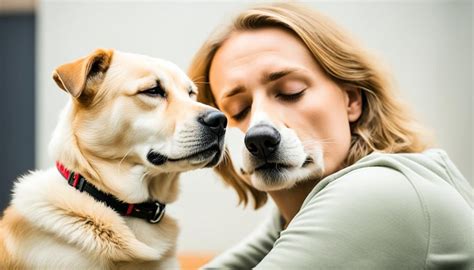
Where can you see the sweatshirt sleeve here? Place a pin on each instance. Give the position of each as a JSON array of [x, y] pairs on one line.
[[370, 218], [250, 251]]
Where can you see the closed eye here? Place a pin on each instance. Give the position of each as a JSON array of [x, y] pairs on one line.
[[291, 97], [156, 91], [241, 115]]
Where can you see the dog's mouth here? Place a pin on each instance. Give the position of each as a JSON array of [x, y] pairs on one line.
[[200, 156], [269, 167], [273, 166], [210, 156]]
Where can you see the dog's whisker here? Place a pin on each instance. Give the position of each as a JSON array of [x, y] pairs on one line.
[[203, 82], [190, 131], [198, 78], [121, 161], [190, 141], [201, 79], [316, 142]]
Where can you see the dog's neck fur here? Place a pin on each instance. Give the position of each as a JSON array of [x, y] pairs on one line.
[[126, 181]]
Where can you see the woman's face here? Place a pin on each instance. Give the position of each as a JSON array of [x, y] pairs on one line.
[[296, 119]]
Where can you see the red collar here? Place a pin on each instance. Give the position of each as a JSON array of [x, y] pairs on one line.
[[152, 211]]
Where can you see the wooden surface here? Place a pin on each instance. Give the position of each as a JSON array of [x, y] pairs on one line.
[[191, 261]]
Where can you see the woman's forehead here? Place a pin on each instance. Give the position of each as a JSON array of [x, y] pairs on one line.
[[245, 45], [249, 56]]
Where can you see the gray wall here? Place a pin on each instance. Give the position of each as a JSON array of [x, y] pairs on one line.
[[427, 45], [17, 100]]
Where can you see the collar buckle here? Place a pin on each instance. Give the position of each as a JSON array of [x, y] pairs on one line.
[[159, 212]]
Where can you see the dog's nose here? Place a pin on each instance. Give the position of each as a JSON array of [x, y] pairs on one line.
[[215, 121], [262, 140]]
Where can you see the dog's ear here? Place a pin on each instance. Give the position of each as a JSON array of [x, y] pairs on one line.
[[72, 77]]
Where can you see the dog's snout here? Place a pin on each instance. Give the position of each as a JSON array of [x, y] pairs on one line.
[[215, 121], [262, 140]]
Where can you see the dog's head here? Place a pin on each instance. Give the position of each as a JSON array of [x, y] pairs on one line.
[[142, 110], [275, 158]]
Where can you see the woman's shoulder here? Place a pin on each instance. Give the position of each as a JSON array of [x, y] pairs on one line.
[[369, 190], [355, 216], [423, 173], [427, 181], [407, 200]]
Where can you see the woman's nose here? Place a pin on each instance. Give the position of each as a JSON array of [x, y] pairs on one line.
[[262, 140]]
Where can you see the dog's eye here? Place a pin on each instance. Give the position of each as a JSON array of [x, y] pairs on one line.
[[156, 91], [191, 92]]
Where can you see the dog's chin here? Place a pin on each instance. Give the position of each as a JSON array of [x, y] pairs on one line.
[[205, 159], [216, 159], [208, 157], [270, 177]]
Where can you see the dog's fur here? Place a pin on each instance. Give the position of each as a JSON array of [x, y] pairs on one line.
[[105, 133], [297, 161]]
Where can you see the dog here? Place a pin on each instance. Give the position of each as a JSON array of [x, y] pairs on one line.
[[131, 126]]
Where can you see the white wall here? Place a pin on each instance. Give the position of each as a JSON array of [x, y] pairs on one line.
[[427, 44]]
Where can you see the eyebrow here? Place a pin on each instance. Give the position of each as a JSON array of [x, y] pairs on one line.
[[233, 92], [273, 76]]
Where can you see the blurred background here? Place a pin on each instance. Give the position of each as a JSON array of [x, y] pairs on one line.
[[427, 45]]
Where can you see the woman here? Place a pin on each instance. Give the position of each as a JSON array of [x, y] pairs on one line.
[[350, 172]]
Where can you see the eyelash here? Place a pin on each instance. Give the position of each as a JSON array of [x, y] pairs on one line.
[[159, 91], [155, 92], [292, 97]]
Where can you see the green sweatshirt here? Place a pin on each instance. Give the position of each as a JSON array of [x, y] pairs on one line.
[[387, 211]]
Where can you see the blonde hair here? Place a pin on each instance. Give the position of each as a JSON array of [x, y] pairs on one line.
[[385, 125]]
